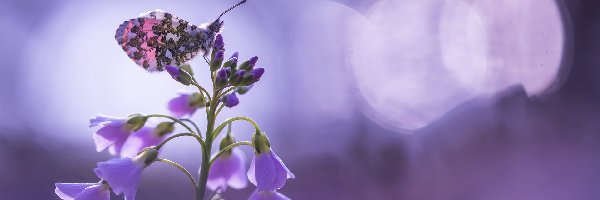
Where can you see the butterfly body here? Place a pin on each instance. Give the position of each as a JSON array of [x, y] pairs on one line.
[[157, 39]]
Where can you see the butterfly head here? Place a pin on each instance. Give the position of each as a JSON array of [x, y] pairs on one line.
[[216, 26]]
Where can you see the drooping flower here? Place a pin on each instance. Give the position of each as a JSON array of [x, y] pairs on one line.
[[228, 170], [114, 131], [123, 174], [145, 137], [82, 191], [267, 195], [186, 104], [230, 100], [267, 171]]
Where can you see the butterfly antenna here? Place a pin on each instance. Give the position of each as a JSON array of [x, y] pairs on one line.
[[232, 7]]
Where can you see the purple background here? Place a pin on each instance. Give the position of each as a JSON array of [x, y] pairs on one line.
[[527, 135]]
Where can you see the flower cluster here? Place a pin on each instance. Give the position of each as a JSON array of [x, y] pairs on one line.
[[136, 140]]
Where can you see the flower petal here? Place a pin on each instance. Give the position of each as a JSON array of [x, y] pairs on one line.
[[69, 191], [252, 172], [180, 107], [267, 195], [111, 134], [95, 192], [100, 118], [224, 168], [122, 174], [238, 178], [145, 137], [265, 172]]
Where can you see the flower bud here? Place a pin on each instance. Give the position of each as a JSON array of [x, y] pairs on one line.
[[243, 89], [261, 142], [222, 77], [179, 75], [147, 156], [253, 76], [249, 64], [164, 128], [197, 100], [187, 68], [227, 140], [237, 77], [232, 62], [135, 122], [218, 43], [217, 60], [230, 100]]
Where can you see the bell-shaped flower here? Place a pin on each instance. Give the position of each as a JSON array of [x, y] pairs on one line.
[[114, 131], [267, 195], [123, 174], [228, 170], [83, 191], [267, 171], [186, 104], [145, 137]]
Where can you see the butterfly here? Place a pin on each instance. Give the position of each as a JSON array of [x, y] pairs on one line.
[[157, 39]]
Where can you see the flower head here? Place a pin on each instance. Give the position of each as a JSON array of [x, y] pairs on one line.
[[218, 43], [186, 104], [217, 60], [145, 137], [228, 170], [267, 171], [267, 195], [83, 191], [112, 134], [123, 174], [230, 100]]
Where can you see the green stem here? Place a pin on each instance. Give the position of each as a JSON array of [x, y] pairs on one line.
[[181, 168], [205, 168], [199, 138], [200, 88], [173, 119], [228, 148], [193, 124], [218, 130], [227, 91], [219, 110]]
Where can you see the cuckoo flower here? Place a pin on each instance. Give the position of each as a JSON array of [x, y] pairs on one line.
[[115, 131], [228, 170], [145, 137], [267, 171], [267, 195], [83, 191], [186, 104], [123, 174]]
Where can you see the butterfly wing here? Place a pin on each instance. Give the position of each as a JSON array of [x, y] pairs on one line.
[[156, 39]]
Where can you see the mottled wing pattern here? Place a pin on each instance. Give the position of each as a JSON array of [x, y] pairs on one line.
[[157, 39]]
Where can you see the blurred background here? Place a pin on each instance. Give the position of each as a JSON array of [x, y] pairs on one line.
[[371, 99]]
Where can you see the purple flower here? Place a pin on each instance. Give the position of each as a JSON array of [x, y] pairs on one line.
[[112, 134], [243, 89], [217, 60], [268, 172], [123, 174], [230, 100], [237, 77], [181, 106], [83, 191], [145, 137], [267, 195], [228, 170]]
